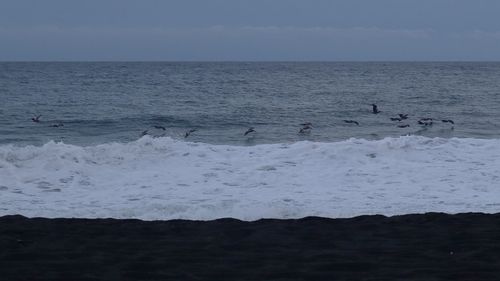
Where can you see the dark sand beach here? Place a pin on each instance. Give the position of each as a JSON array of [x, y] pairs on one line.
[[427, 247]]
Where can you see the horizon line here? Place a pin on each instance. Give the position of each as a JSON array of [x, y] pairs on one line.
[[244, 61]]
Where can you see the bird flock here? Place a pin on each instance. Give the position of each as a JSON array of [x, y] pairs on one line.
[[426, 121], [36, 119], [305, 128]]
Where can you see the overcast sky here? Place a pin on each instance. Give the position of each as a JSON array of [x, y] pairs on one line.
[[246, 30]]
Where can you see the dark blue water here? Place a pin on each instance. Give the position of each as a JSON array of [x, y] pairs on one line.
[[105, 102]]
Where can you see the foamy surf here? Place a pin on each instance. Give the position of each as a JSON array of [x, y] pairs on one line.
[[163, 178]]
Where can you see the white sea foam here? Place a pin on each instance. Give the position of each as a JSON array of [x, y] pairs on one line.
[[161, 178]]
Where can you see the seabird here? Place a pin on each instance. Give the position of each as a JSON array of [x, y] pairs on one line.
[[159, 128], [403, 126], [375, 109], [448, 121], [250, 130], [396, 119], [305, 130], [189, 132], [145, 132], [425, 123], [403, 116], [36, 119], [352, 122]]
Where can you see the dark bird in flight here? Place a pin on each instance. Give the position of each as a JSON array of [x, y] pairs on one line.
[[403, 116], [189, 132], [448, 121], [305, 129], [159, 128], [425, 122], [250, 130], [352, 122], [375, 109], [36, 119], [403, 126], [396, 119]]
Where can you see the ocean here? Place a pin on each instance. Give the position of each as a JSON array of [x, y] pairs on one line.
[[96, 151]]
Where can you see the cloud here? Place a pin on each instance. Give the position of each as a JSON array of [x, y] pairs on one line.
[[330, 31], [354, 32], [221, 42], [480, 34]]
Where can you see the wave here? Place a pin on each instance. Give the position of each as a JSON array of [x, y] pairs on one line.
[[163, 178]]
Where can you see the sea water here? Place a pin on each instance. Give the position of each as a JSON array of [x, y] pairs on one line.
[[99, 164]]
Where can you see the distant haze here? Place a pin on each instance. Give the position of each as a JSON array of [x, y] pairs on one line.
[[247, 30]]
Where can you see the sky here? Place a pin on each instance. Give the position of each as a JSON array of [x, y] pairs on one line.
[[249, 30]]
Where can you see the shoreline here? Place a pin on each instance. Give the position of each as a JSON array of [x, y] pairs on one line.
[[431, 246]]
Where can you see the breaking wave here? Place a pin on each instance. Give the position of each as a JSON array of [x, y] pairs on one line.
[[163, 178]]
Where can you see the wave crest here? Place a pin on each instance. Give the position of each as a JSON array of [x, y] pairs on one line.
[[163, 178]]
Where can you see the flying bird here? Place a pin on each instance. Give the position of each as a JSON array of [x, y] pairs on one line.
[[448, 121], [352, 122], [425, 123], [36, 119], [250, 130], [305, 129], [189, 132]]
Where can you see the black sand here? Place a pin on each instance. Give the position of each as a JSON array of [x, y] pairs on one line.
[[412, 247]]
